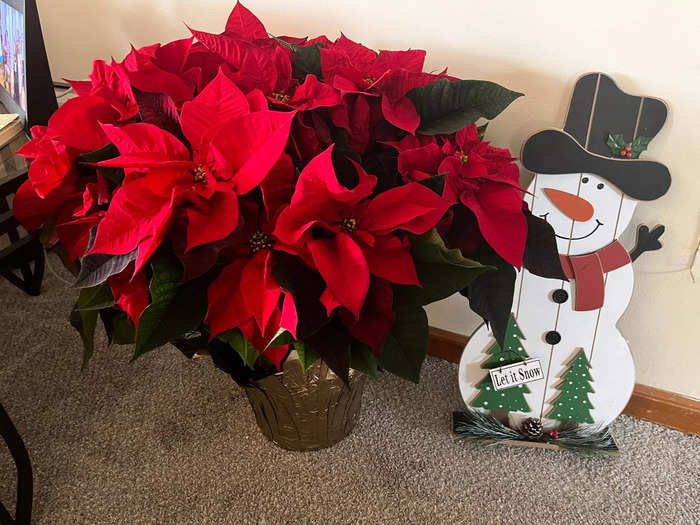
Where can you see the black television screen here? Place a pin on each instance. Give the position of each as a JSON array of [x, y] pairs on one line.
[[13, 55]]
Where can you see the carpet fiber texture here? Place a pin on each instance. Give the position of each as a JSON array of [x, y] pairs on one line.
[[169, 440]]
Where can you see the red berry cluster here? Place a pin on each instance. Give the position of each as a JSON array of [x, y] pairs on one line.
[[626, 151], [554, 434]]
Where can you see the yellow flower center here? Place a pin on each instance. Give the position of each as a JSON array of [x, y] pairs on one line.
[[369, 80], [281, 97], [463, 157], [349, 225], [259, 241], [199, 174]]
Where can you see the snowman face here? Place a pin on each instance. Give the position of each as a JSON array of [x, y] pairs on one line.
[[586, 211]]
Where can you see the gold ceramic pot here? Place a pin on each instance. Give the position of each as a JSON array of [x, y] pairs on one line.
[[309, 410]]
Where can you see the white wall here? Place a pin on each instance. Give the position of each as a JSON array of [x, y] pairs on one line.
[[539, 48]]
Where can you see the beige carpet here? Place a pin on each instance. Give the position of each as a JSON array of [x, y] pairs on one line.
[[167, 440]]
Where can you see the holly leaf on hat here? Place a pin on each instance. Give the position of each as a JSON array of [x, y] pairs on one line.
[[616, 143], [639, 145]]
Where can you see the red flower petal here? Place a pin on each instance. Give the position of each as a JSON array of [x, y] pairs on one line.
[[218, 222], [146, 145], [77, 122], [259, 289], [130, 292], [245, 25], [376, 318], [313, 94], [342, 265], [32, 211], [220, 101], [498, 210], [249, 146], [75, 235], [290, 318], [391, 259], [411, 207], [226, 305], [401, 113]]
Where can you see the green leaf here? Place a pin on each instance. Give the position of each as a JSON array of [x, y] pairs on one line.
[[307, 59], [406, 344], [97, 268], [118, 326], [363, 359], [307, 356], [95, 298], [491, 294], [282, 337], [235, 338], [110, 151], [446, 107], [436, 183], [175, 308], [85, 322], [616, 143], [441, 271], [639, 145]]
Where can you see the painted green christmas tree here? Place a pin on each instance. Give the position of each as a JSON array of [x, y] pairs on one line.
[[573, 403], [509, 399]]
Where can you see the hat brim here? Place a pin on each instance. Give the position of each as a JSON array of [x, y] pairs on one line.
[[553, 151]]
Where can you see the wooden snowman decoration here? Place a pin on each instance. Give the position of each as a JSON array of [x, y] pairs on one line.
[[564, 362]]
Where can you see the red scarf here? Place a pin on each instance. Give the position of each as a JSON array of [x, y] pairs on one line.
[[589, 272]]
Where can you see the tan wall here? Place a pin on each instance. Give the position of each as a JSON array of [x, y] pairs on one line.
[[537, 47]]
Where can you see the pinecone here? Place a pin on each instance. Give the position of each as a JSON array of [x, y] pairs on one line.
[[532, 427]]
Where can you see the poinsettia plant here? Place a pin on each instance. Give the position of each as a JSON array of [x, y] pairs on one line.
[[261, 194]]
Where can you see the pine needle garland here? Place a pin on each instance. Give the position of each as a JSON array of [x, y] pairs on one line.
[[475, 425]]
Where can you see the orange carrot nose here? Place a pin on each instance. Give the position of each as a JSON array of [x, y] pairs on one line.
[[571, 205]]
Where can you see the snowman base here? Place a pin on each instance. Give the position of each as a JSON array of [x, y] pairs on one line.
[[474, 425]]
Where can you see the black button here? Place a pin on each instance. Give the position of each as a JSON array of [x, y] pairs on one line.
[[552, 337], [560, 296]]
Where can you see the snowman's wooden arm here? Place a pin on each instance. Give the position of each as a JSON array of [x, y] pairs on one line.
[[647, 241]]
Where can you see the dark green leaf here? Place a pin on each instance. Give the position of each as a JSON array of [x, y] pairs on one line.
[[175, 308], [307, 357], [95, 298], [616, 143], [363, 359], [639, 145], [240, 344], [446, 107], [107, 152], [332, 343], [307, 59], [306, 286], [441, 271], [84, 322], [97, 268], [406, 344], [282, 337], [110, 151], [119, 329], [541, 255], [491, 294], [436, 183]]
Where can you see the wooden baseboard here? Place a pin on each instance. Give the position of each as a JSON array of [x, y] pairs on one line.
[[648, 403]]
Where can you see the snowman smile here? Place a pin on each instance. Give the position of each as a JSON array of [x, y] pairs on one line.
[[598, 225]]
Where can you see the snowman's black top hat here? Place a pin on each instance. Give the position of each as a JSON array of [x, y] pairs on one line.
[[598, 108]]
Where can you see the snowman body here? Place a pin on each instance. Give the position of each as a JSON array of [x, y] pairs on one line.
[[587, 213]]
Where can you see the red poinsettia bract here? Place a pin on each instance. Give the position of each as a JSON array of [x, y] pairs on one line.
[[348, 236], [233, 149]]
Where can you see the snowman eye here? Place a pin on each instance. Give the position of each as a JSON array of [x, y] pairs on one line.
[[584, 180], [600, 186]]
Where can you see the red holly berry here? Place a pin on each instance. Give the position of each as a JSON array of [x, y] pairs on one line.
[[628, 147]]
